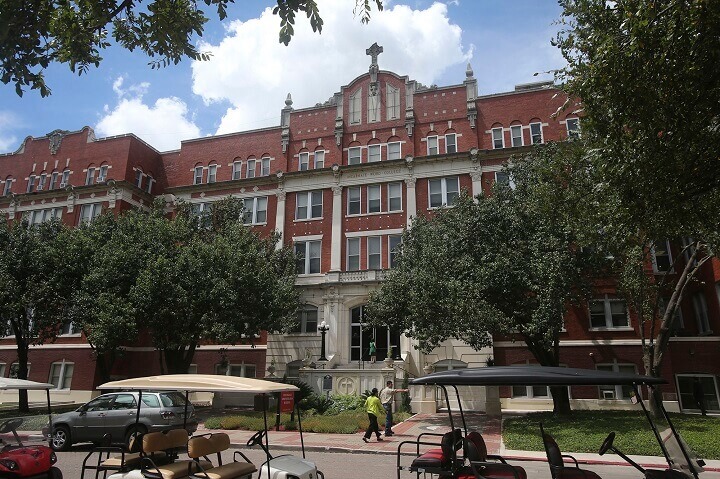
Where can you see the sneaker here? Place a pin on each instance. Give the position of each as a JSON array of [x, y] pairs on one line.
[[388, 434], [380, 439], [365, 439]]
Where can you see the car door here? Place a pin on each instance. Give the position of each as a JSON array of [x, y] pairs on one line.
[[90, 422], [121, 414]]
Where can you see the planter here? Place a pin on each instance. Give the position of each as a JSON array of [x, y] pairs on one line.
[[389, 362]]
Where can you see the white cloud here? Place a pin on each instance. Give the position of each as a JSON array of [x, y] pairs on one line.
[[253, 72], [163, 124], [8, 141]]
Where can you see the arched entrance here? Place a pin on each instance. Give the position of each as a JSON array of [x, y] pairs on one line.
[[361, 334]]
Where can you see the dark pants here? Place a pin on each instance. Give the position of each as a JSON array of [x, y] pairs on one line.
[[388, 417], [373, 427]]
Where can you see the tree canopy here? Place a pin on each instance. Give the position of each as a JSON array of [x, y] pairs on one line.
[[34, 35], [500, 265]]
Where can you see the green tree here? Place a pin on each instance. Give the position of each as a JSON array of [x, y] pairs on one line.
[[501, 265], [36, 34], [645, 72], [221, 282], [36, 282]]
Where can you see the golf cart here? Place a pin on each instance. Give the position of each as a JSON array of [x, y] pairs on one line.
[[461, 454], [154, 454], [24, 460]]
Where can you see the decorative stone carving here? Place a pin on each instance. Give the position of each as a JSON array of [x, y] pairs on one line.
[[72, 196], [281, 194], [471, 95], [285, 122], [374, 51], [55, 138]]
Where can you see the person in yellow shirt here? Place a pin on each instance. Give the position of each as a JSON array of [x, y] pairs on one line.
[[375, 409]]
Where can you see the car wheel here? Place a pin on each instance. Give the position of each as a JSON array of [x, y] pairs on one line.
[[55, 473], [131, 433], [61, 438]]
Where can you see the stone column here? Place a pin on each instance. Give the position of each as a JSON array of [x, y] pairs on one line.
[[333, 318], [410, 200], [280, 217], [336, 236]]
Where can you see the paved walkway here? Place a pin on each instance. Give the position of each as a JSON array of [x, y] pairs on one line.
[[438, 423]]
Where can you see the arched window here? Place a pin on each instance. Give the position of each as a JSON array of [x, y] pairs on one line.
[[7, 189], [355, 110]]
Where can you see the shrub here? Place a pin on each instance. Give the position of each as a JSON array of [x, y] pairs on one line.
[[345, 402], [319, 402]]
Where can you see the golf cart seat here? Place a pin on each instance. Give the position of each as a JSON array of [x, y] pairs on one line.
[[439, 460], [665, 474], [476, 453], [170, 442], [558, 469], [204, 446], [123, 461]]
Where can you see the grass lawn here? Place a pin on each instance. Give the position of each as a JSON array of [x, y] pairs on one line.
[[346, 422], [584, 431]]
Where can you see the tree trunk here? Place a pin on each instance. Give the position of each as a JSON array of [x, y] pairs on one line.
[[22, 349], [178, 360], [561, 400]]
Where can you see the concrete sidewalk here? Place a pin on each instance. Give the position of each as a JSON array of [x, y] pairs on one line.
[[438, 423]]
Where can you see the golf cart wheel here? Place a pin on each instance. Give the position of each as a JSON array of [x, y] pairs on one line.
[[61, 438], [131, 433], [55, 473]]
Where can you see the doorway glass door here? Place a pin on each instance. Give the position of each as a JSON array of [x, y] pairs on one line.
[[361, 334]]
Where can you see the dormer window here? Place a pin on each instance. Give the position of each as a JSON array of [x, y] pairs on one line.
[[53, 180], [102, 175], [65, 179], [31, 184], [41, 181], [90, 176]]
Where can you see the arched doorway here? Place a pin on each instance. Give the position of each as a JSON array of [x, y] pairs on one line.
[[361, 334]]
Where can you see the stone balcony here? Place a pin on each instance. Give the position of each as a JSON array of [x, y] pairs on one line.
[[342, 277]]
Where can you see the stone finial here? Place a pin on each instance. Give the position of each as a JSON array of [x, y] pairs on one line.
[[469, 71], [374, 51], [288, 100]]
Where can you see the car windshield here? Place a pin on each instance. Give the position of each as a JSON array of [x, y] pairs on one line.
[[172, 399]]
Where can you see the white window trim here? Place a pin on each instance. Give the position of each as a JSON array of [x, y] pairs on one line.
[[692, 375], [617, 388], [265, 160], [443, 190], [608, 315], [315, 159], [304, 159], [399, 143], [308, 195], [243, 367], [352, 149], [306, 242], [254, 209], [653, 258], [354, 97], [502, 138], [303, 321], [367, 205], [390, 249], [359, 253], [437, 144], [212, 173], [367, 243], [388, 197], [61, 379], [446, 142], [379, 156], [359, 202], [198, 178], [237, 168], [572, 133], [522, 137], [542, 133]]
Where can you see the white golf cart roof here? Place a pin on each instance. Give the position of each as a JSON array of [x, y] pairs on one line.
[[200, 382], [14, 384]]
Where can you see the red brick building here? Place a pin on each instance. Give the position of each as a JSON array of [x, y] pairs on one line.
[[340, 181]]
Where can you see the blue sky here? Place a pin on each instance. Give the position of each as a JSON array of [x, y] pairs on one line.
[[245, 83]]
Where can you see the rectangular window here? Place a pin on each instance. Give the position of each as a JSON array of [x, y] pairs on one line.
[[516, 135], [65, 179], [355, 109], [573, 128], [373, 194], [150, 183], [353, 254], [40, 216], [373, 108], [319, 159], [694, 387], [212, 173], [102, 175], [701, 313], [394, 242], [443, 191], [394, 196], [617, 392], [265, 167], [198, 177], [451, 143], [392, 101], [238, 370], [354, 200], [41, 182], [61, 375], [31, 184], [250, 169], [504, 178], [255, 211], [308, 257], [304, 161], [8, 187], [138, 178], [354, 155], [394, 151], [236, 170], [89, 212], [374, 245], [498, 138], [15, 367], [374, 152], [536, 133], [307, 320], [661, 256], [309, 205], [69, 328], [432, 145], [53, 180], [608, 313], [90, 176]]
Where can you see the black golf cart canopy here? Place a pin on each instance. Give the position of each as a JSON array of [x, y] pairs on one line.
[[532, 376]]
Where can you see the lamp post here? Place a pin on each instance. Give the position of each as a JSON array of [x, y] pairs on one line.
[[323, 328]]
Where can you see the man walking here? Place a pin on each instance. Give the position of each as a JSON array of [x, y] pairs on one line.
[[387, 395], [374, 410]]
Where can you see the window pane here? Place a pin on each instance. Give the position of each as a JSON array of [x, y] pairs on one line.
[[317, 204], [516, 134], [432, 145], [374, 252], [394, 196], [374, 152], [354, 201], [353, 254], [373, 199], [354, 156], [314, 255], [304, 161], [394, 151], [300, 255], [536, 133], [319, 159], [519, 391], [597, 314], [497, 136], [311, 318], [261, 213], [619, 313], [435, 193], [393, 247], [453, 189], [451, 143], [302, 204]]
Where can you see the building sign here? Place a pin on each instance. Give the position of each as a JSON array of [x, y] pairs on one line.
[[327, 383]]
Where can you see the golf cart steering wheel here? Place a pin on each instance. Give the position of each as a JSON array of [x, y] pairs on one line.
[[256, 439], [10, 425], [607, 443]]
